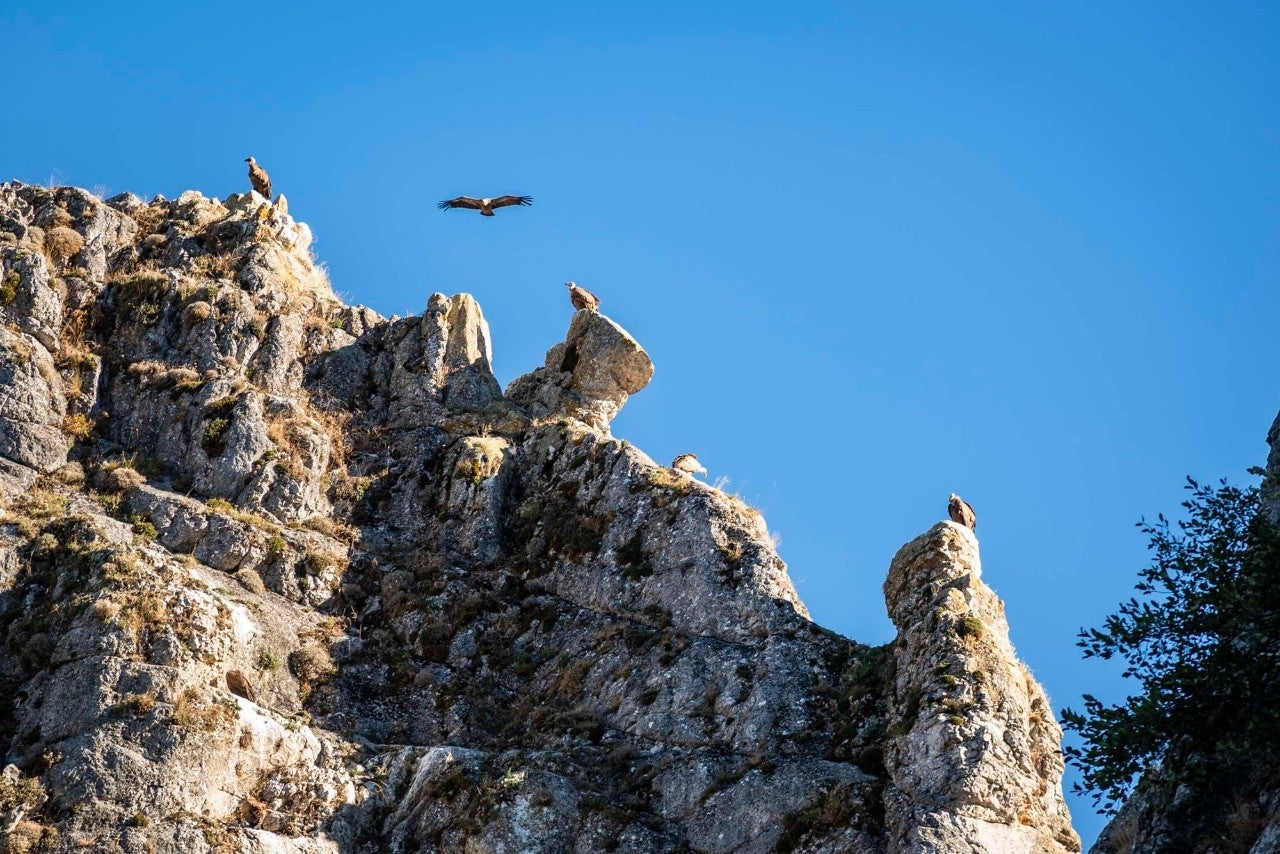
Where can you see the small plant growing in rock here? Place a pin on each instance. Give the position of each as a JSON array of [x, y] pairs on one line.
[[969, 626], [78, 426], [62, 243], [268, 660], [632, 560], [192, 712], [218, 415], [138, 704], [311, 664], [42, 504], [23, 792], [276, 545], [121, 477], [9, 287], [143, 530], [317, 563], [139, 820], [106, 610], [213, 441]]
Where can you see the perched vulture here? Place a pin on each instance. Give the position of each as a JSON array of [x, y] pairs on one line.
[[688, 464], [259, 178], [961, 513], [485, 206], [582, 298]]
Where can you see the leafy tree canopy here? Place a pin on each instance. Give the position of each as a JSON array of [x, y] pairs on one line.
[[1202, 638]]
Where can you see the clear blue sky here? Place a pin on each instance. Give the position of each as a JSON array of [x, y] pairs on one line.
[[1027, 252]]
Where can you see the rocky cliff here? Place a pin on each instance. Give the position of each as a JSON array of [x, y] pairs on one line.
[[282, 575]]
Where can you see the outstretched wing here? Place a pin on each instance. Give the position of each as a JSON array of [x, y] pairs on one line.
[[461, 202], [504, 201]]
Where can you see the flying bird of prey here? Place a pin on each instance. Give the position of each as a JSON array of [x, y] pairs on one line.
[[961, 513], [582, 298], [259, 178], [688, 464], [485, 206]]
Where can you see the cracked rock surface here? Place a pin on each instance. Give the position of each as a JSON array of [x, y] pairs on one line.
[[281, 575]]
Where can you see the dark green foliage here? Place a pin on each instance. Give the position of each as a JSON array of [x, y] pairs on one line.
[[832, 809], [218, 418], [1203, 641], [969, 626], [9, 287], [632, 560]]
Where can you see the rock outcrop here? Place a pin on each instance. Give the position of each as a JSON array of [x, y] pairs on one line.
[[282, 575], [974, 753]]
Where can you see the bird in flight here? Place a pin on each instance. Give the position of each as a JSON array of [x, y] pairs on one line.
[[485, 206], [688, 464], [961, 513], [259, 178], [583, 298]]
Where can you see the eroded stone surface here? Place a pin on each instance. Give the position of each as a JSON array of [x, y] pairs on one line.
[[311, 582]]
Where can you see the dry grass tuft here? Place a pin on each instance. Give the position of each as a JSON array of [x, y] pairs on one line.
[[62, 243], [78, 425], [1244, 825], [192, 711]]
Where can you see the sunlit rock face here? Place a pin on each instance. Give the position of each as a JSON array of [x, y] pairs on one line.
[[282, 575], [974, 753]]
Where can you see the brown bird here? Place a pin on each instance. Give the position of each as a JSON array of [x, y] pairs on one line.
[[688, 464], [485, 206], [961, 513], [583, 298], [259, 178]]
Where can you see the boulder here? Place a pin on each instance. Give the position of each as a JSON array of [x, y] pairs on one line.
[[587, 377]]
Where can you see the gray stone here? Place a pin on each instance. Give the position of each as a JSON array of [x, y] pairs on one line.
[[388, 608], [978, 765], [588, 377], [32, 404]]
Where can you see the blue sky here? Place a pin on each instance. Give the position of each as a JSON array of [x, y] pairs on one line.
[[1026, 252]]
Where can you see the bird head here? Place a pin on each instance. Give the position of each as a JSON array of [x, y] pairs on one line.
[[248, 160], [953, 497], [570, 285]]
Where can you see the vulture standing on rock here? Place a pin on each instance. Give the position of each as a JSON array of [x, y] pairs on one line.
[[582, 298], [688, 464], [485, 206], [259, 178], [961, 513]]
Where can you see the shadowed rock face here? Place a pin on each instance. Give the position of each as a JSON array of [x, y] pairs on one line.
[[283, 575]]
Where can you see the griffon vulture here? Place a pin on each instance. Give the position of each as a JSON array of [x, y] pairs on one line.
[[961, 513], [259, 178], [582, 298], [688, 464], [485, 206]]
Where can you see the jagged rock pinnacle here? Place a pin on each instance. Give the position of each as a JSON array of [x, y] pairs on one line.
[[589, 376], [975, 754]]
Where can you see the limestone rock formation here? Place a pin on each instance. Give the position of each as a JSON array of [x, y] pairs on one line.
[[278, 574], [589, 376], [974, 752]]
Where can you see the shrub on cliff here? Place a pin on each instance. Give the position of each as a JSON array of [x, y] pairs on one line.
[[1203, 641]]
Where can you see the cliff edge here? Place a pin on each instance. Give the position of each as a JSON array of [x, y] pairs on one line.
[[282, 575]]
